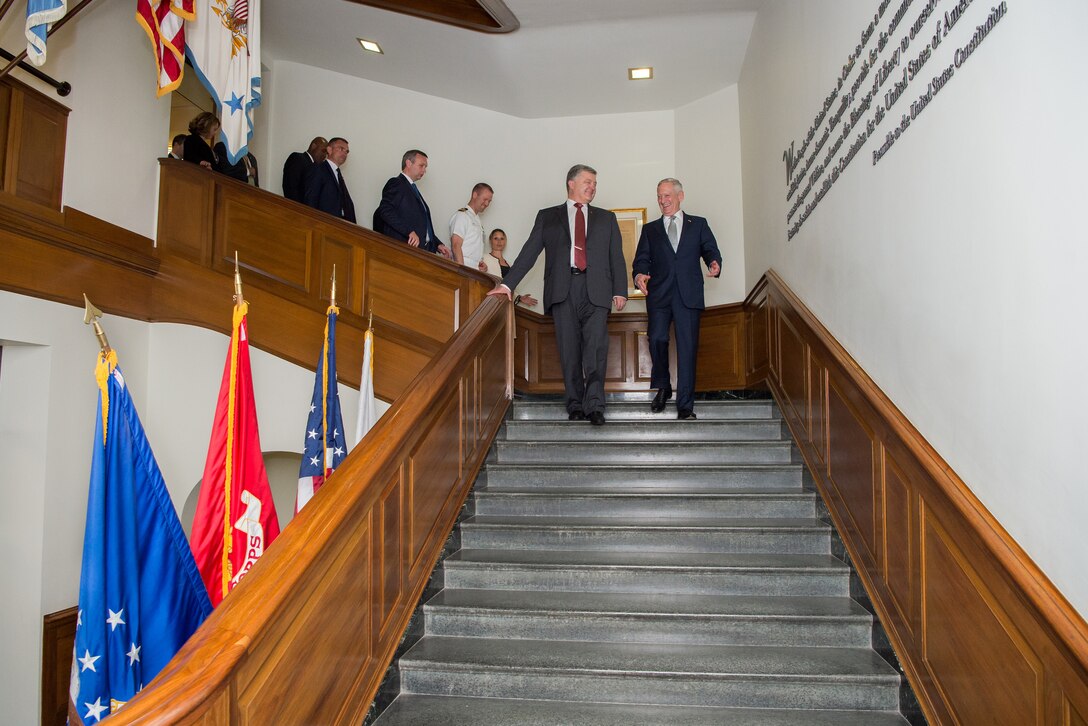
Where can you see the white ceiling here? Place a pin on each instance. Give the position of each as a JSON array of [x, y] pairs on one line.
[[568, 58]]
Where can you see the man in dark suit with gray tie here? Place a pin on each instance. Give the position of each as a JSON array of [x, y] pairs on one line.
[[584, 276], [666, 270], [325, 186]]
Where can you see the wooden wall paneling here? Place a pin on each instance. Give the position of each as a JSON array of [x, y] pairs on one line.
[[968, 639], [320, 628], [186, 209], [42, 127], [390, 557], [981, 633], [851, 468], [720, 362], [617, 361], [7, 140], [757, 321], [817, 406], [58, 641], [333, 251], [278, 250], [397, 293], [792, 353], [900, 541], [432, 473]]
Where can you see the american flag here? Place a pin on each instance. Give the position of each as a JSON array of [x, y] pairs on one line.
[[164, 23], [324, 446]]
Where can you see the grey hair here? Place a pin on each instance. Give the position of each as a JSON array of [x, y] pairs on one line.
[[676, 185], [578, 169]]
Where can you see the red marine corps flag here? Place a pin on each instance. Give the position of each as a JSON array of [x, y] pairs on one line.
[[235, 518]]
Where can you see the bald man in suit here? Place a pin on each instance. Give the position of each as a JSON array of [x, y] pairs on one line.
[[584, 276], [666, 270]]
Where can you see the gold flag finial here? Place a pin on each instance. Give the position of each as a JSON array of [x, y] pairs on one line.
[[332, 295], [370, 319], [91, 314], [238, 299]]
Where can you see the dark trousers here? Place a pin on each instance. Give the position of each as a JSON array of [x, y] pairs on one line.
[[581, 330], [685, 320]]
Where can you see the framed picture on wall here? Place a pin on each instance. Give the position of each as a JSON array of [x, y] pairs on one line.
[[631, 221]]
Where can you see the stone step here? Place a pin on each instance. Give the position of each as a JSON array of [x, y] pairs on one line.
[[566, 453], [640, 410], [648, 572], [624, 502], [426, 710], [649, 618], [654, 673], [666, 430], [737, 476], [661, 534]]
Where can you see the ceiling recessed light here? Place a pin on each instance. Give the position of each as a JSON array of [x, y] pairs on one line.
[[370, 45], [640, 74]]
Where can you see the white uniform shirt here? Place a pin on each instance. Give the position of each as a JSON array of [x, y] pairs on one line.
[[466, 224]]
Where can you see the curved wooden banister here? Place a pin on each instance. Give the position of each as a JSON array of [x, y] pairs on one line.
[[308, 634]]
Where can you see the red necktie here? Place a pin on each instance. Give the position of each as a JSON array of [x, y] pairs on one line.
[[579, 238]]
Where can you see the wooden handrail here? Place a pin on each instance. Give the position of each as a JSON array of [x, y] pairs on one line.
[[270, 643]]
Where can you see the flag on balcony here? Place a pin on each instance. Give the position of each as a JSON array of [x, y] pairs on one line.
[[366, 416], [140, 594], [324, 448], [235, 518], [224, 46], [40, 14], [164, 23]]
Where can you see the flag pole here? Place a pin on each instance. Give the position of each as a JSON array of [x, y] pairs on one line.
[[332, 295], [91, 314], [238, 299], [55, 27]]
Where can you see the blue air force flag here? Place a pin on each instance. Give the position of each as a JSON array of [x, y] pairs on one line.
[[224, 46], [140, 594], [324, 448], [40, 14]]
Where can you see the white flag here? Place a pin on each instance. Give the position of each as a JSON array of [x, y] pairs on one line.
[[367, 417], [224, 46]]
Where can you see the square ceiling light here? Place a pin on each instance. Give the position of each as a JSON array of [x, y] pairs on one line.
[[370, 45], [640, 74]]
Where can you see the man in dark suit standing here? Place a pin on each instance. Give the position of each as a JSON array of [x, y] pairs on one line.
[[666, 270], [403, 214], [325, 186], [298, 165], [584, 276]]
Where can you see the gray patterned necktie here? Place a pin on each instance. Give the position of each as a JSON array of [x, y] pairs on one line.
[[674, 236]]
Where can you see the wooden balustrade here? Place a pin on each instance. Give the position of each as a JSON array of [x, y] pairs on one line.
[[984, 636], [720, 365], [33, 129], [307, 635]]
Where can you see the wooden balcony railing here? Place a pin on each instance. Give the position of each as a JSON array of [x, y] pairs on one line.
[[308, 634]]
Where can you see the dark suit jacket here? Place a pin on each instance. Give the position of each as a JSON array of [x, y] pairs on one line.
[[323, 192], [401, 212], [236, 171], [677, 272], [606, 269], [197, 150], [295, 169]]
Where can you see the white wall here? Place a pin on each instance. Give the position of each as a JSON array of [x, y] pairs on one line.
[[952, 270], [525, 160], [708, 164], [47, 414]]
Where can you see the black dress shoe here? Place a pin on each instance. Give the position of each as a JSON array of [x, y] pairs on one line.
[[687, 415], [576, 416], [658, 404], [596, 418]]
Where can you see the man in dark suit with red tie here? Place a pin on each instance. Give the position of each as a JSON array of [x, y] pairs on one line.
[[403, 214], [666, 270], [325, 186], [584, 276]]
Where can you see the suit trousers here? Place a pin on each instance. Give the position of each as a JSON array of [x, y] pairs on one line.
[[581, 330], [685, 320]]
